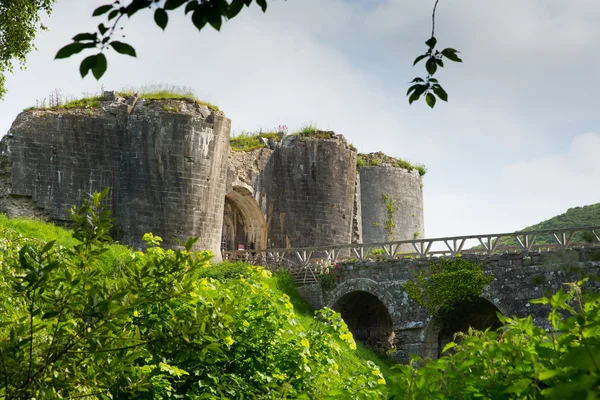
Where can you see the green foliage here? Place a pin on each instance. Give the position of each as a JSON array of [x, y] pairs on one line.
[[519, 361], [202, 13], [573, 218], [56, 101], [163, 91], [376, 159], [251, 141], [450, 284], [430, 86], [391, 208], [170, 109], [308, 129], [165, 324], [327, 274], [19, 22]]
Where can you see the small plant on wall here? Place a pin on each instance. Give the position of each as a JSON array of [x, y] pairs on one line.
[[392, 207], [327, 274], [452, 282]]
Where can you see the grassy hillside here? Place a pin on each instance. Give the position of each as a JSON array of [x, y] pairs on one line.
[[574, 217], [118, 257]]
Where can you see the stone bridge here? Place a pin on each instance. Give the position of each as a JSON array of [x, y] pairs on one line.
[[369, 282]]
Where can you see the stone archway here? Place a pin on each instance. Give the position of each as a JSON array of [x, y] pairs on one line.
[[479, 314], [243, 221], [368, 310]]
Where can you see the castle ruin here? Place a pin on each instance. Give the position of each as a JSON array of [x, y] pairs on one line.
[[172, 172]]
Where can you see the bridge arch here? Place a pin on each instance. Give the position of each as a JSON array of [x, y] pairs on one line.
[[243, 221], [368, 310], [479, 314]]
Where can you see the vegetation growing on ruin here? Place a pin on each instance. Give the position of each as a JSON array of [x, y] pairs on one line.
[[247, 141], [449, 284], [379, 158], [391, 206], [57, 101], [165, 92], [310, 130]]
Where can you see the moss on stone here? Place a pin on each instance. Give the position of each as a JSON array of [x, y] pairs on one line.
[[379, 158]]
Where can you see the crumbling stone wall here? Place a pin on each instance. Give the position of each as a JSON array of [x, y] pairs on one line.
[[167, 170], [307, 191], [392, 204]]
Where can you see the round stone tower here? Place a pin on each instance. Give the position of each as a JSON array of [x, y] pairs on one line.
[[173, 172], [392, 204], [307, 192]]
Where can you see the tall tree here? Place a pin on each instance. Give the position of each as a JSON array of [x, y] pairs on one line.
[[19, 22]]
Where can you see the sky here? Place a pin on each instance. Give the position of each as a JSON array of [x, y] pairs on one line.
[[517, 143]]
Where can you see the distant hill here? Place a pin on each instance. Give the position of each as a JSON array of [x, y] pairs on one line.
[[573, 218]]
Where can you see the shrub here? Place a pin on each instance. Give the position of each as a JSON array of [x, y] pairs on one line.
[[451, 282], [519, 361], [165, 324]]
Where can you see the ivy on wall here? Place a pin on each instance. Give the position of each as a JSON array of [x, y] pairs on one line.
[[392, 207], [451, 283]]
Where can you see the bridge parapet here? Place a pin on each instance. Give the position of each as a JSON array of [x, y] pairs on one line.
[[301, 261]]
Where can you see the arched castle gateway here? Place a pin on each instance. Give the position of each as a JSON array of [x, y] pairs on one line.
[[174, 174]]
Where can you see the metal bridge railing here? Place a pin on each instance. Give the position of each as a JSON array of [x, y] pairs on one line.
[[299, 261]]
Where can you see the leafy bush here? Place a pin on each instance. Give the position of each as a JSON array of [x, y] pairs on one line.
[[451, 282], [519, 361], [157, 327]]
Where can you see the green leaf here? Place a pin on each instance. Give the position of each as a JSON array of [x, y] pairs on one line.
[[413, 87], [430, 98], [161, 18], [173, 4], [450, 54], [123, 48], [50, 314], [113, 14], [191, 6], [419, 59], [417, 93], [48, 246], [100, 68], [431, 42], [215, 20], [136, 6], [102, 10], [262, 4], [234, 8], [86, 65], [198, 19], [69, 50], [190, 242], [417, 80], [440, 92], [85, 36], [449, 346], [431, 66], [102, 29]]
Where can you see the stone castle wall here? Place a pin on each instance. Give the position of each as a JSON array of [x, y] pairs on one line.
[[167, 170], [172, 173], [395, 199]]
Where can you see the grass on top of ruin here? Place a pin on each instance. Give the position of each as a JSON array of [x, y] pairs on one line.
[[248, 141], [57, 101], [164, 91], [379, 158]]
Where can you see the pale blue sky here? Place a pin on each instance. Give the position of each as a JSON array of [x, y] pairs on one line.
[[517, 143]]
